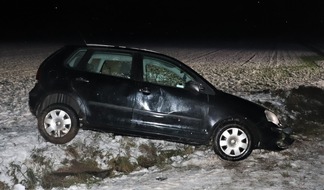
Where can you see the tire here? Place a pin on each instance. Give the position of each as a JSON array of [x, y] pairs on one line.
[[232, 141], [58, 124]]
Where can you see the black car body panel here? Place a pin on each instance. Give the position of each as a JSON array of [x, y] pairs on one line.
[[138, 102]]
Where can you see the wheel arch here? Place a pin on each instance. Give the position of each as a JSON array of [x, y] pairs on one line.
[[70, 100], [255, 133]]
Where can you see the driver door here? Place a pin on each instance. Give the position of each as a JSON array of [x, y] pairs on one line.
[[164, 106]]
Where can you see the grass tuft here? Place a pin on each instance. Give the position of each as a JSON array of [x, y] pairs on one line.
[[86, 172], [3, 185], [122, 164]]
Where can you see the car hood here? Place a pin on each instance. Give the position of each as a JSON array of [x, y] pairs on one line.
[[234, 105]]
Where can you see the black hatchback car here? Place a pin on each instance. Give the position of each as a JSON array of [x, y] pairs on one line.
[[139, 92]]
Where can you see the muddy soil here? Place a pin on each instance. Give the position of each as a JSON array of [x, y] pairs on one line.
[[302, 109]]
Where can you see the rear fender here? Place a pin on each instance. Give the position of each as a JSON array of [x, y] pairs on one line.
[[70, 100]]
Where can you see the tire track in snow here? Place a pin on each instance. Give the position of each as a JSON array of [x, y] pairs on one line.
[[203, 55], [248, 59]]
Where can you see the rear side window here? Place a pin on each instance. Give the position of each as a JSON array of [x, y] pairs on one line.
[[74, 60], [110, 63]]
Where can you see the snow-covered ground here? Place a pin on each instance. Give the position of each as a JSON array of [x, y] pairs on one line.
[[255, 70]]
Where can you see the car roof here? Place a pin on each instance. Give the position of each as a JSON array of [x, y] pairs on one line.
[[121, 47]]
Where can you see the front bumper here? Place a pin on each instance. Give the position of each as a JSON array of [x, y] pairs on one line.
[[284, 137]]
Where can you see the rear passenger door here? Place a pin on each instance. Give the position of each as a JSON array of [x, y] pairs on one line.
[[104, 81]]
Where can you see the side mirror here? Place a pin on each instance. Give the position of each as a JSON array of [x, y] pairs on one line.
[[193, 86]]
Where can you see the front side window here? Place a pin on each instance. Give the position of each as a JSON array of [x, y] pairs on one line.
[[108, 63], [164, 73]]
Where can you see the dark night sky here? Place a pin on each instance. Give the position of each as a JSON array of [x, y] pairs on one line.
[[156, 19]]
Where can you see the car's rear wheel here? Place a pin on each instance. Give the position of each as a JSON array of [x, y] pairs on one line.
[[58, 124], [232, 141]]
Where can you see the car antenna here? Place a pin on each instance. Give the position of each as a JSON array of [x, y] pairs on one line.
[[85, 42]]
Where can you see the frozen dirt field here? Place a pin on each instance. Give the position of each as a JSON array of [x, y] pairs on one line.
[[287, 76]]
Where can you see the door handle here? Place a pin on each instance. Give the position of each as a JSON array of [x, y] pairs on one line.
[[80, 79], [145, 90]]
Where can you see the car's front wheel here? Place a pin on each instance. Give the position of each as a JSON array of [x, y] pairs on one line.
[[232, 141], [58, 124]]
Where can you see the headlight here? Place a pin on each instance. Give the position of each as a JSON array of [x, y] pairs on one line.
[[271, 117]]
